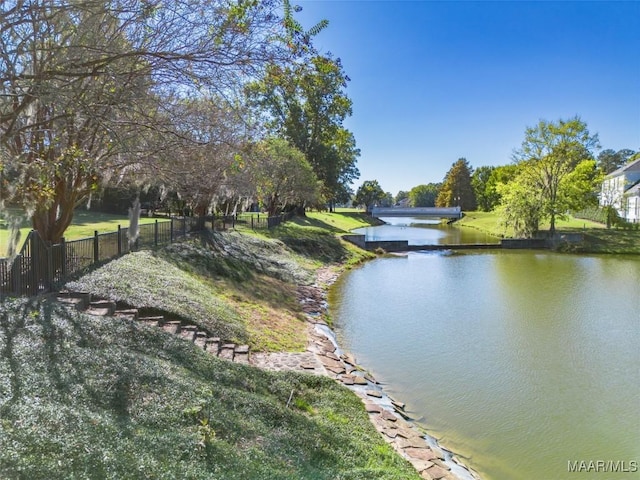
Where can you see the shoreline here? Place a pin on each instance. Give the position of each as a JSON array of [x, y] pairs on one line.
[[323, 356]]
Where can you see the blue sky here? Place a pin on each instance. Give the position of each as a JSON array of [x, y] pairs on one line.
[[435, 81]]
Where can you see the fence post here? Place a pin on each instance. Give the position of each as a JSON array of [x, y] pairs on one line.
[[251, 222], [184, 226], [16, 275], [35, 264], [49, 276], [96, 252], [119, 240], [155, 233], [63, 246]]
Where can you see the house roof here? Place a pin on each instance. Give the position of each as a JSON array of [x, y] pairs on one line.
[[629, 167], [633, 191]]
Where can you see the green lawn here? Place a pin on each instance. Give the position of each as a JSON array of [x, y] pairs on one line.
[[94, 397], [84, 224], [598, 239]]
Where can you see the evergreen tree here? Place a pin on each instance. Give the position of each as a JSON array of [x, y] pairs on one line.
[[456, 190]]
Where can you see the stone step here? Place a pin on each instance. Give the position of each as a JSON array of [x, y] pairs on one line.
[[201, 340], [79, 300], [152, 321], [130, 313], [213, 345], [102, 307], [188, 332], [172, 326], [226, 351]]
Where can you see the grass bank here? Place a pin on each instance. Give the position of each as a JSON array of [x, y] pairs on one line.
[[84, 224], [597, 238], [94, 397]]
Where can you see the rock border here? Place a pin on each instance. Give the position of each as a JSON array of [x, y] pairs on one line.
[[324, 357]]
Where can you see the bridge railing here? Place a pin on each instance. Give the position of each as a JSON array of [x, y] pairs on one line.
[[441, 212]]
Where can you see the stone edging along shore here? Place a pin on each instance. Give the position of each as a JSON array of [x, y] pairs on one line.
[[324, 357]]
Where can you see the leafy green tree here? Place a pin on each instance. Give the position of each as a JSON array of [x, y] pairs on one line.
[[84, 86], [486, 196], [549, 153], [610, 160], [424, 195], [456, 190], [369, 194], [401, 196], [282, 176], [521, 205], [307, 105], [581, 187], [387, 201]]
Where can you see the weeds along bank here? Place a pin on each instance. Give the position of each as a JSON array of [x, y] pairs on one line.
[[105, 397]]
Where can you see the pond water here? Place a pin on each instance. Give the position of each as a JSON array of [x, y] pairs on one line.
[[422, 231], [521, 362]]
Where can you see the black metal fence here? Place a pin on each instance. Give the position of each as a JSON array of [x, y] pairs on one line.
[[40, 267]]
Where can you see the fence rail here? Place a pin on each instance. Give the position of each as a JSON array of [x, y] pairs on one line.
[[41, 267]]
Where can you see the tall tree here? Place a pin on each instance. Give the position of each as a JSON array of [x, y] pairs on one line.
[[307, 105], [369, 194], [282, 176], [486, 196], [456, 190], [550, 152], [610, 160], [424, 195], [82, 82]]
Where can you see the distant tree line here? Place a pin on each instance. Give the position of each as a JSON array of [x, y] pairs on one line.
[[554, 172]]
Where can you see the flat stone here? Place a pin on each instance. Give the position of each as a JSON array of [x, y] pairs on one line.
[[374, 393], [397, 405], [241, 358], [439, 462], [171, 327], [387, 415], [423, 453], [349, 358], [307, 366], [347, 379], [226, 353], [332, 356], [390, 432], [420, 465], [99, 312], [200, 340], [152, 321], [415, 442], [336, 370], [372, 407], [100, 304], [242, 349], [371, 379], [131, 313], [75, 302], [358, 380], [436, 472]]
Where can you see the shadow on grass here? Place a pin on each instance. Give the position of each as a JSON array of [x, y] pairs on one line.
[[316, 223]]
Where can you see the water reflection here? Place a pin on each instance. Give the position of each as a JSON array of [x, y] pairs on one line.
[[520, 361], [424, 231]]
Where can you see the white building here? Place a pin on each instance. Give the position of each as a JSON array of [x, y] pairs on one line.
[[621, 190]]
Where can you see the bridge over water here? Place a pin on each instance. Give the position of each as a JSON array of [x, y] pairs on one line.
[[433, 212]]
